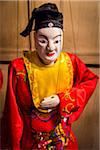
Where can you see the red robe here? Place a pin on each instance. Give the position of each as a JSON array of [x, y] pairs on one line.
[[16, 124]]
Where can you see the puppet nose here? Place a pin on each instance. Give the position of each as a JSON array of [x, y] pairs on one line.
[[50, 46]]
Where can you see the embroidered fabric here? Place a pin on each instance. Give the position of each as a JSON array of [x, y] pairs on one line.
[[50, 140]]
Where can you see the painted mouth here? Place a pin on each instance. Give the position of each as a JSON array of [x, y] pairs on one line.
[[50, 54]]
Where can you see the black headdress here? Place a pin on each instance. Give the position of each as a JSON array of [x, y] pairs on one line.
[[47, 15]]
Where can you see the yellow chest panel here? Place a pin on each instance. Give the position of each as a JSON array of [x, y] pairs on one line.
[[47, 80]]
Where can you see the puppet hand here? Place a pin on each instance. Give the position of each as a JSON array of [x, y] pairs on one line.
[[50, 102]]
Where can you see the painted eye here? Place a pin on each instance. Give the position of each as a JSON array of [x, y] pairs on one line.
[[43, 41], [57, 41]]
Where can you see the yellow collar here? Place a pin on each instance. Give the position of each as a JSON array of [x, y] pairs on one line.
[[46, 80]]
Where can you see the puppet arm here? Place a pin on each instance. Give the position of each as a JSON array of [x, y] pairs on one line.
[[11, 122], [72, 102]]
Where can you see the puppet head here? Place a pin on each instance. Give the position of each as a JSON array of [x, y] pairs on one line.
[[48, 43], [48, 27]]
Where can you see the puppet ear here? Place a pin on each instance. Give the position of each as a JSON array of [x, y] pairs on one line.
[[28, 28]]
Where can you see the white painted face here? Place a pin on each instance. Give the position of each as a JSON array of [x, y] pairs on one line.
[[48, 42]]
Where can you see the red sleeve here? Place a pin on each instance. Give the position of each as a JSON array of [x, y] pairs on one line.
[[72, 103], [11, 122], [1, 79]]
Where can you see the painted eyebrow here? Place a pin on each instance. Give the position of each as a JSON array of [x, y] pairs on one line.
[[47, 38]]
